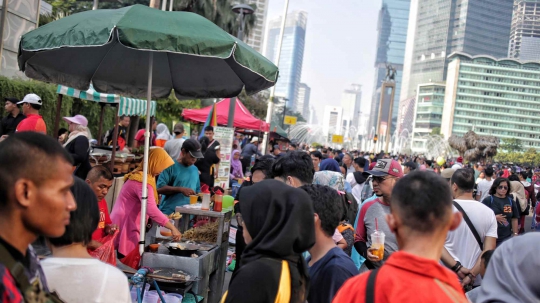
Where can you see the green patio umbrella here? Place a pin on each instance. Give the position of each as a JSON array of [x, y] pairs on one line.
[[139, 51]]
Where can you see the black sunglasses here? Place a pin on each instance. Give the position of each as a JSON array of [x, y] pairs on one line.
[[503, 187], [380, 179]]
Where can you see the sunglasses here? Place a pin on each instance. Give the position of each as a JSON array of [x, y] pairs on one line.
[[503, 187], [380, 179]]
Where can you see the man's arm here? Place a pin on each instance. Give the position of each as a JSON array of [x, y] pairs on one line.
[[449, 261], [489, 244]]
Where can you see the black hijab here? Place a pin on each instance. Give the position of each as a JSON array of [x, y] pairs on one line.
[[280, 220]]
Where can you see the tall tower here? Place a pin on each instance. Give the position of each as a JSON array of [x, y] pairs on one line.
[[392, 36], [256, 35], [525, 31], [292, 54]]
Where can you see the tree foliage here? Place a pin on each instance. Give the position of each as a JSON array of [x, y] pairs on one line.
[[529, 157], [512, 145], [436, 131]]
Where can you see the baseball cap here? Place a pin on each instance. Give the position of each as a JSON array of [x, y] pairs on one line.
[[12, 100], [410, 165], [178, 128], [448, 173], [459, 159], [255, 139], [193, 147], [385, 167], [32, 99], [78, 119]]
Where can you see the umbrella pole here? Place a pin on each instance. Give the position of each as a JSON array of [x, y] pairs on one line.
[[57, 117], [144, 198]]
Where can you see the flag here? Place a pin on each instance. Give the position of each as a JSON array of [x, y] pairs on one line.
[[211, 120]]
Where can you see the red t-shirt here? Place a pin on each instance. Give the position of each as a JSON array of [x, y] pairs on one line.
[[104, 220], [139, 137], [406, 278], [32, 123]]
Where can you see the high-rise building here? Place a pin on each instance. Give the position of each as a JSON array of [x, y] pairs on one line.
[[525, 33], [256, 35], [351, 100], [392, 36], [313, 116], [332, 120], [302, 105], [499, 97], [406, 116], [292, 54], [427, 113], [446, 26]]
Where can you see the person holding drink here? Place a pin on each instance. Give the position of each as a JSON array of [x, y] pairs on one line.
[[372, 216]]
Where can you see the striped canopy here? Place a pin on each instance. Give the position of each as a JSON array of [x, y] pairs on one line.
[[128, 106]]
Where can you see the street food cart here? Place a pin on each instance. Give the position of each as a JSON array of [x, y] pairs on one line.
[[201, 254]]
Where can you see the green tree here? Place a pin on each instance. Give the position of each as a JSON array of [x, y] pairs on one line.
[[436, 131], [512, 145]]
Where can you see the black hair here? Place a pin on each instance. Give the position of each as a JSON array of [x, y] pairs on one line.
[[35, 106], [489, 171], [264, 164], [317, 154], [327, 205], [205, 141], [84, 220], [524, 175], [123, 117], [496, 183], [350, 156], [464, 179], [360, 161], [423, 201], [62, 131], [40, 152], [209, 128], [296, 164], [486, 256], [99, 171], [324, 150], [513, 177]]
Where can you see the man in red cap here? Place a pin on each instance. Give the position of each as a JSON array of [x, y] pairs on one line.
[[384, 176], [458, 164]]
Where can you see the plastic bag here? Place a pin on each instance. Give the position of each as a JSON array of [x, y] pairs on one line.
[[133, 259], [106, 252]]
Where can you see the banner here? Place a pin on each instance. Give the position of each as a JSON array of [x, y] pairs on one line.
[[225, 136]]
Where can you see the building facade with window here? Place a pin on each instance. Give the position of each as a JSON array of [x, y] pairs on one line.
[[498, 97], [525, 34], [427, 114]]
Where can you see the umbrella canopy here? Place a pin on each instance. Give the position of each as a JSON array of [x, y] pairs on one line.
[[110, 48], [242, 117], [128, 106]]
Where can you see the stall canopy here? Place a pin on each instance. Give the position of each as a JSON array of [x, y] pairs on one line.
[[242, 117], [128, 106]]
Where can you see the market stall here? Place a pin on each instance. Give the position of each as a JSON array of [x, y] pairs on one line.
[[242, 117], [125, 106]]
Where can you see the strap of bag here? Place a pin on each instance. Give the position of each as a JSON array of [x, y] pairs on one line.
[[15, 268], [370, 287], [471, 226]]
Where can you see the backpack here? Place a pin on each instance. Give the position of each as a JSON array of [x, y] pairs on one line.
[[350, 207]]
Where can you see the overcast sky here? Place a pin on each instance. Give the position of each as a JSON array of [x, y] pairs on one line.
[[341, 39]]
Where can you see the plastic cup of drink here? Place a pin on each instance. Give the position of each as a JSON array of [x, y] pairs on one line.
[[377, 242], [193, 199]]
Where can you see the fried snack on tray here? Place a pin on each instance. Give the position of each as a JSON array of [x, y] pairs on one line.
[[175, 216], [206, 233]]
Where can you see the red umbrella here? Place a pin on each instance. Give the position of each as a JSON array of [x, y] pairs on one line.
[[242, 117]]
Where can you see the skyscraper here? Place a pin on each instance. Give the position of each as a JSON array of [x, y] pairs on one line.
[[256, 35], [392, 36], [332, 118], [304, 92], [446, 26], [292, 54], [350, 101], [525, 33]]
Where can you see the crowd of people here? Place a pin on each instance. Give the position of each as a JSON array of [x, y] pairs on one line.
[[323, 225]]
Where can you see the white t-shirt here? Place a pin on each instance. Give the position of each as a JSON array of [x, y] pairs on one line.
[[173, 147], [461, 243], [483, 187], [86, 280], [356, 188]]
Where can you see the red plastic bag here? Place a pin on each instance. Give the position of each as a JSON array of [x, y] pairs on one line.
[[133, 259], [106, 252]]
